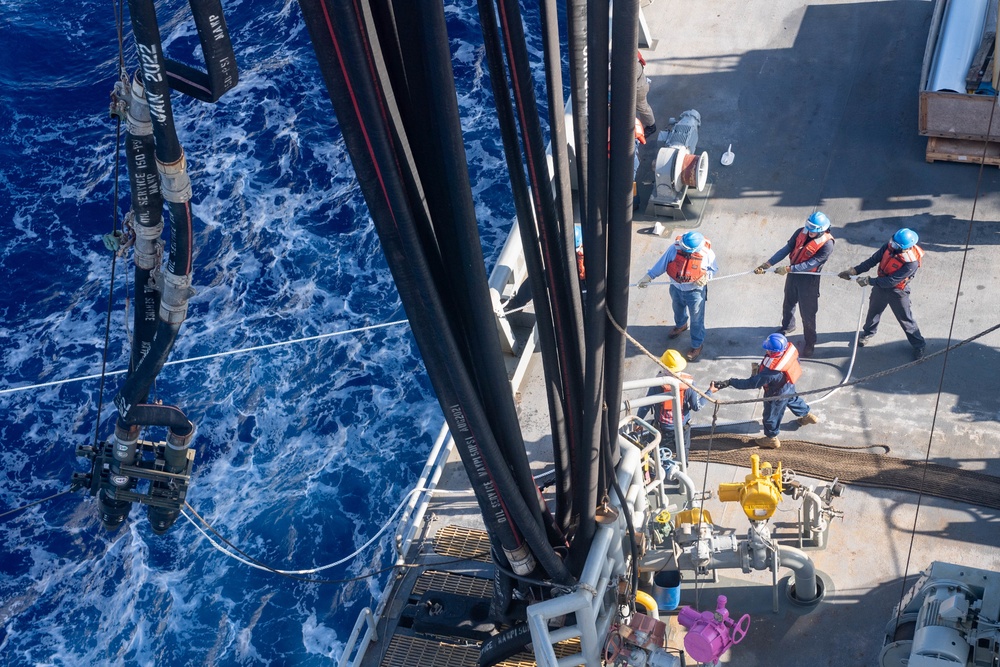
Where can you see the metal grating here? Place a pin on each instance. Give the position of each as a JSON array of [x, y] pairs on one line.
[[462, 542], [568, 647], [448, 582], [408, 651]]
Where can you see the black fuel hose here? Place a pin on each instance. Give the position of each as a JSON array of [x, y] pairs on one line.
[[153, 65], [587, 480], [552, 366], [557, 125], [576, 28], [343, 48], [147, 209], [625, 33], [442, 164], [217, 48]]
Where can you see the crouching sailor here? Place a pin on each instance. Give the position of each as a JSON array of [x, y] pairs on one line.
[[690, 400], [777, 373]]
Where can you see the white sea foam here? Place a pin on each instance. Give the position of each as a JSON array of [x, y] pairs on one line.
[[302, 452]]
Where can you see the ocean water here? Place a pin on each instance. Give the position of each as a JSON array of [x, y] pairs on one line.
[[303, 451]]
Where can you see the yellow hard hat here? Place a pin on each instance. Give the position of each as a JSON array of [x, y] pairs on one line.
[[674, 361]]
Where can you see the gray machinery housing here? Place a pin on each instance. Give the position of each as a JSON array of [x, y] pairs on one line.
[[951, 618], [672, 183]]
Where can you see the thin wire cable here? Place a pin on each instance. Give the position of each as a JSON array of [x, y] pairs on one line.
[[704, 485], [944, 368], [818, 274], [261, 566], [32, 504], [114, 260], [253, 562], [227, 353]]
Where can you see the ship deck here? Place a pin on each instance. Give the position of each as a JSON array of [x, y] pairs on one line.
[[820, 105]]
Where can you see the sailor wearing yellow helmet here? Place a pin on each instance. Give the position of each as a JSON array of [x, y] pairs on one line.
[[663, 413]]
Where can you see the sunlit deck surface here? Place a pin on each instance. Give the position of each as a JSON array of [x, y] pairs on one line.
[[820, 105]]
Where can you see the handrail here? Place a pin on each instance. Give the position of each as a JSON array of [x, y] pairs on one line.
[[418, 501], [370, 635], [409, 524], [590, 606]]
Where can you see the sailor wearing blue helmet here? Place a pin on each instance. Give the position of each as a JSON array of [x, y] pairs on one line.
[[777, 374], [689, 263], [807, 251], [897, 261]]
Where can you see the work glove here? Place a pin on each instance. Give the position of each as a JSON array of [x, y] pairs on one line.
[[720, 384], [782, 270], [701, 282], [644, 281], [864, 281], [762, 268], [846, 275]]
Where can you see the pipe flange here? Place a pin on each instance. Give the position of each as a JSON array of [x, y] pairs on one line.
[[139, 122], [174, 182], [148, 246], [174, 298], [823, 585]]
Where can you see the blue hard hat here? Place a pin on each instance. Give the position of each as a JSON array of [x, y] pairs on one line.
[[692, 241], [817, 222], [775, 343], [578, 235], [904, 239]]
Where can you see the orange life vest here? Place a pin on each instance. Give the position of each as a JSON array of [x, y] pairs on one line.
[[805, 248], [686, 268], [667, 407], [640, 132], [892, 262], [787, 362], [580, 269]]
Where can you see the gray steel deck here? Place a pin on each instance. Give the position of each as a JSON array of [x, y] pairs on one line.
[[819, 103]]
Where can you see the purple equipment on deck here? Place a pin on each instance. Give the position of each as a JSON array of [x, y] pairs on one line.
[[711, 633]]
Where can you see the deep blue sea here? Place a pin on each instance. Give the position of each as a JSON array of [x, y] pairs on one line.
[[303, 451]]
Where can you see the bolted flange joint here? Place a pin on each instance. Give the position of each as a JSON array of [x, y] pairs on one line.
[[174, 181], [139, 123], [174, 299], [148, 246]]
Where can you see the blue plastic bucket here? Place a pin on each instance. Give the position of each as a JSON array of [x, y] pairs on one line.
[[667, 589]]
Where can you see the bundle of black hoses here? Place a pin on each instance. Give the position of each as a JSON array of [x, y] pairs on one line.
[[387, 67], [152, 140]]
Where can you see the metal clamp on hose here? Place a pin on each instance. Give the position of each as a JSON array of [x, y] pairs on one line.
[[174, 181], [174, 300], [148, 246], [139, 123]]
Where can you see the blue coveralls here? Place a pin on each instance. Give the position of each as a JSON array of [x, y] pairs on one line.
[[775, 384], [802, 289], [884, 293]]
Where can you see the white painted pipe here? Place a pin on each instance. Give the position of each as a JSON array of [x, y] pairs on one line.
[[958, 41], [675, 393], [674, 473], [814, 520]]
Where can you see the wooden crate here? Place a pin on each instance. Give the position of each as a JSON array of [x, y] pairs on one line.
[[962, 150], [957, 115]]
